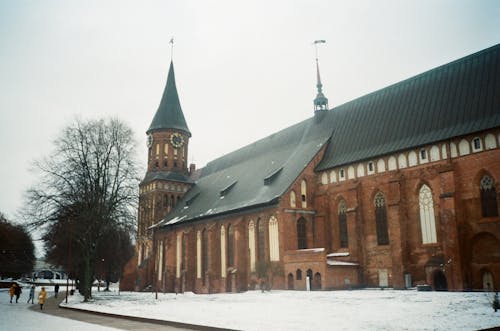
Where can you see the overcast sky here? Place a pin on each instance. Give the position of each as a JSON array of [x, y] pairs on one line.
[[244, 69]]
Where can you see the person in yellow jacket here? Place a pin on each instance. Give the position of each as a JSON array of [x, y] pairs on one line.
[[12, 290], [41, 297]]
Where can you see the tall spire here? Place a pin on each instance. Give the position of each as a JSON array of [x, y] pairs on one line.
[[320, 102], [169, 114]]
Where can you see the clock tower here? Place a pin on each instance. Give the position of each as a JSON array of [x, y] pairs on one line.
[[167, 176]]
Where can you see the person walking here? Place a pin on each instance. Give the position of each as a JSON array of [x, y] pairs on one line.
[[17, 292], [32, 294], [56, 290], [41, 297], [12, 290]]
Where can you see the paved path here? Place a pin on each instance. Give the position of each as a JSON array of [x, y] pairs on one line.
[[115, 321]]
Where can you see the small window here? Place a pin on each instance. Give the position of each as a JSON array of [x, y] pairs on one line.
[[175, 164], [423, 154], [476, 144], [165, 163], [157, 164], [488, 197], [342, 173], [370, 167]]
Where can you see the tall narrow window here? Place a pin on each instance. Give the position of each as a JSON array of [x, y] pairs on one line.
[[204, 254], [198, 255], [427, 219], [230, 243], [274, 252], [344, 243], [179, 255], [488, 197], [261, 241], [381, 220], [293, 200], [301, 234], [303, 193], [223, 266], [251, 245]]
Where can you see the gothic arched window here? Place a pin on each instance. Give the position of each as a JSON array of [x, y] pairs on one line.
[[344, 243], [301, 233], [427, 219], [381, 220], [230, 243], [303, 193], [261, 237], [204, 254], [488, 197]]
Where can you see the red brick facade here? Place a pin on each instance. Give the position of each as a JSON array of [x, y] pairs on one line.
[[465, 255]]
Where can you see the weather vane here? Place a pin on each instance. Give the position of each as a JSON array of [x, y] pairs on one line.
[[171, 42], [316, 42]]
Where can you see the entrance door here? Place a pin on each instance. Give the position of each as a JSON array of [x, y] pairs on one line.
[[383, 278], [439, 279], [290, 281]]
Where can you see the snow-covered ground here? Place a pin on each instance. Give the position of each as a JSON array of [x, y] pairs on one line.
[[295, 310], [17, 317]]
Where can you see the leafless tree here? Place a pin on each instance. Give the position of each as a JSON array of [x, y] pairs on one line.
[[88, 188]]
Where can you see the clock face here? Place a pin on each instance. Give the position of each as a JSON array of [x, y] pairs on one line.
[[149, 140], [177, 140]]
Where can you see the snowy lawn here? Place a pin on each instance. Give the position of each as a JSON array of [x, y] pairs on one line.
[[295, 310]]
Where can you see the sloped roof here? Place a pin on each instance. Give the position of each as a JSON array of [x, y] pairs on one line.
[[452, 100], [458, 98], [253, 176], [169, 114], [165, 175]]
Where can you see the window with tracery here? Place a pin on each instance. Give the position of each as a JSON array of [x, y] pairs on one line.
[[261, 238], [381, 220], [427, 218], [301, 233], [488, 197]]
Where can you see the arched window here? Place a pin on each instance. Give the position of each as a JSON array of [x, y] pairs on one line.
[[298, 274], [223, 265], [324, 178], [251, 245], [204, 254], [198, 255], [301, 233], [427, 219], [381, 220], [261, 241], [274, 252], [488, 197], [179, 255], [230, 243], [303, 193], [293, 200], [344, 243]]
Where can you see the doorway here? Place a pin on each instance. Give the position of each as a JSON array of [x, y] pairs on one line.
[[439, 281], [290, 281]]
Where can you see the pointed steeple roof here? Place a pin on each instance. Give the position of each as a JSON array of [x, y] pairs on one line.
[[320, 102], [169, 114]]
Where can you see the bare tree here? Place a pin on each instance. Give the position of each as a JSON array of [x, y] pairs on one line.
[[88, 189]]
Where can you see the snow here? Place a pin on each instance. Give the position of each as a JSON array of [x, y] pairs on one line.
[[338, 254], [370, 309], [341, 263], [18, 317]]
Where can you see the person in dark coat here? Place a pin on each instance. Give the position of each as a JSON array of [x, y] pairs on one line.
[[32, 294], [17, 292], [56, 290]]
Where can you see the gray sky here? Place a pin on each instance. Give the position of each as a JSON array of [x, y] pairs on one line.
[[244, 69]]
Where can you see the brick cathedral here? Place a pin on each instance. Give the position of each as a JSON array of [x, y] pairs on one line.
[[397, 188]]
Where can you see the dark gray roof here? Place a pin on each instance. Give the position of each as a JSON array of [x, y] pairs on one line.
[[455, 99], [459, 98], [253, 176], [169, 114], [165, 175]]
